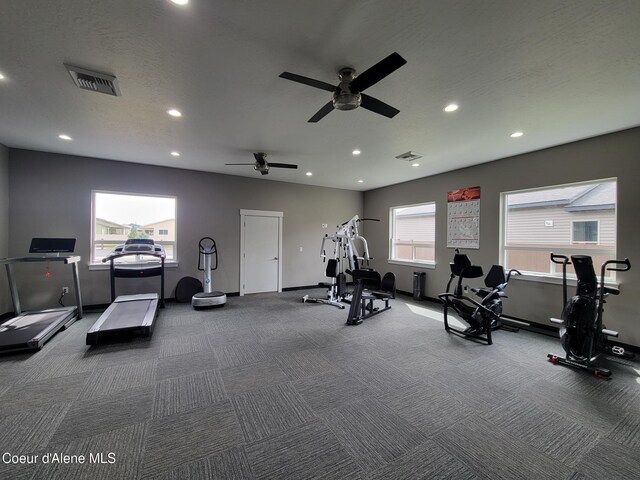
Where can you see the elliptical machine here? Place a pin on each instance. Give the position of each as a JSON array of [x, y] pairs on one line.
[[208, 298], [583, 335], [483, 313]]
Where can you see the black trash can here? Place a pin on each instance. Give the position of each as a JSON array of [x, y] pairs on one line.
[[419, 279]]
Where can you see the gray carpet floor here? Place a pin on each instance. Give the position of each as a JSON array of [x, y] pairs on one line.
[[268, 387]]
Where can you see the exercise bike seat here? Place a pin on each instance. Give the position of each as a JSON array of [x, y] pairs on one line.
[[461, 267]]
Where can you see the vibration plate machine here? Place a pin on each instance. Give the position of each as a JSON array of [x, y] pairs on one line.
[[131, 313], [208, 298], [30, 330]]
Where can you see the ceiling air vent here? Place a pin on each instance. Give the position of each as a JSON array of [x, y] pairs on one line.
[[409, 156], [94, 81]]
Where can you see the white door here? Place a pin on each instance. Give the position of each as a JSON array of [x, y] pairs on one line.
[[261, 253]]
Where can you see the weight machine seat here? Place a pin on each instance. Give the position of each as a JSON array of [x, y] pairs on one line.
[[370, 279]]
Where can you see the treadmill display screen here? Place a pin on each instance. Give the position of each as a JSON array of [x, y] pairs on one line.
[[52, 245]]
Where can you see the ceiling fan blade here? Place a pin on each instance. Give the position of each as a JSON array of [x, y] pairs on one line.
[[320, 114], [252, 164], [377, 72], [376, 106], [308, 81], [282, 165]]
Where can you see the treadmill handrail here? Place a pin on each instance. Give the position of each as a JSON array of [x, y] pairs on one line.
[[69, 259]]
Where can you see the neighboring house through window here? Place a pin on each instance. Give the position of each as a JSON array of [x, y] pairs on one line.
[[574, 219], [117, 217]]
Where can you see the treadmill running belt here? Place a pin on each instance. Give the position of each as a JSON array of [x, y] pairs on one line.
[[126, 314], [31, 330]]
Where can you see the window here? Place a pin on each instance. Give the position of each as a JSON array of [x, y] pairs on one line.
[[163, 231], [117, 217], [573, 219], [413, 233], [584, 231]]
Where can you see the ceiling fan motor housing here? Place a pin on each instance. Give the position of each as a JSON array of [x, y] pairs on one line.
[[343, 97]]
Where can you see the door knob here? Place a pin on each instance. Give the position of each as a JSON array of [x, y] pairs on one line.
[[275, 258]]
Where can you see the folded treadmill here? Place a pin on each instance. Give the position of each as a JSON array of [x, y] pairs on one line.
[[131, 314]]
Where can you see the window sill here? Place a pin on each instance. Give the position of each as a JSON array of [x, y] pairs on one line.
[[105, 266], [571, 282], [430, 265]]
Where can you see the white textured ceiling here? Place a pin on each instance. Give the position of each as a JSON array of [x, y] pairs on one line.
[[557, 70]]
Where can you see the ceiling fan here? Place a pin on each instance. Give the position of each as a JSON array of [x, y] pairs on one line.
[[261, 165], [347, 95]]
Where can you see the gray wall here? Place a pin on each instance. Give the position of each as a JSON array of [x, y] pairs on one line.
[[50, 195], [613, 155], [4, 224]]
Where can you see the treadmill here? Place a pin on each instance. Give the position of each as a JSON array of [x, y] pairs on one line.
[[31, 330], [131, 314]]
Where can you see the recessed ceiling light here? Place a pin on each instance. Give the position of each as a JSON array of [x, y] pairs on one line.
[[180, 2], [356, 152], [452, 107], [1, 76], [415, 164], [309, 174], [175, 154], [516, 134], [174, 113], [360, 181], [62, 136]]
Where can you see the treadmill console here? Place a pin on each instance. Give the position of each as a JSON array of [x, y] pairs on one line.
[[52, 245], [139, 246]]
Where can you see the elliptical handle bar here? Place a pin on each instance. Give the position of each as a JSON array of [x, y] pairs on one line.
[[626, 265], [564, 262]]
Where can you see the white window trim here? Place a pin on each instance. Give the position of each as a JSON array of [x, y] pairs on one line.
[[93, 265], [541, 277], [582, 242], [411, 263]]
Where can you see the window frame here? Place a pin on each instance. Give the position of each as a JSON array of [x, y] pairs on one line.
[[582, 242], [98, 264], [555, 272], [413, 262]]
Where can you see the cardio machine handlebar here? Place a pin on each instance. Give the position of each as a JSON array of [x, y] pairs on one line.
[[560, 259], [626, 265], [207, 250], [511, 272]]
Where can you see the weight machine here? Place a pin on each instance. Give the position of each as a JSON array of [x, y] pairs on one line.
[[350, 247]]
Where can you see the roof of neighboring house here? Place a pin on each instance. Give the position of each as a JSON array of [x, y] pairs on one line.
[[156, 223], [109, 223], [603, 196], [594, 196]]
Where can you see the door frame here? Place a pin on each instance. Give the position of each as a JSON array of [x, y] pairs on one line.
[[259, 213]]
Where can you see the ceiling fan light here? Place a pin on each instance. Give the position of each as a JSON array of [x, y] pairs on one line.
[[346, 101]]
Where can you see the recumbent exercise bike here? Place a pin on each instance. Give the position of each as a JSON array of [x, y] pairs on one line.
[[584, 336], [483, 313]]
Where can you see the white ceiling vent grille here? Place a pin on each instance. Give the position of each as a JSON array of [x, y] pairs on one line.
[[409, 156], [94, 81]]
